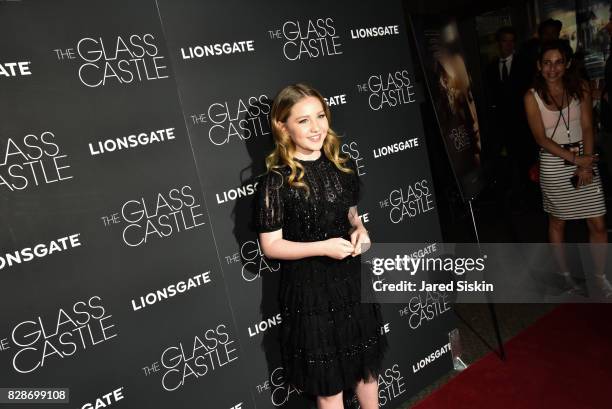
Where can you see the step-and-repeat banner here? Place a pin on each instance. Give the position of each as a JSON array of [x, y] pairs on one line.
[[131, 142]]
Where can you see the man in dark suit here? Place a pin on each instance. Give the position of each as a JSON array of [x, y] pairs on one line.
[[511, 145], [503, 78]]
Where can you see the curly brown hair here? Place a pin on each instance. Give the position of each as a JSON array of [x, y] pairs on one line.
[[572, 83]]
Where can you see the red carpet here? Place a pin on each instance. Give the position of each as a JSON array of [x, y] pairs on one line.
[[564, 360]]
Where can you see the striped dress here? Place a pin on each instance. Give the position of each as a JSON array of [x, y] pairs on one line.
[[559, 197]]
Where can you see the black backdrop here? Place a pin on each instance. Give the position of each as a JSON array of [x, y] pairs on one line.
[[162, 289]]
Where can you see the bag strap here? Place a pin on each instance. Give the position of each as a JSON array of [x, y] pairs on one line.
[[556, 125], [541, 104]]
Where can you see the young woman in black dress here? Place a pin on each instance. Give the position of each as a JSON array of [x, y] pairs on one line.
[[307, 218]]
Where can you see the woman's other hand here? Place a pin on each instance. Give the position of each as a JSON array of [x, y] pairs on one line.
[[585, 176], [337, 248], [360, 241], [585, 161]]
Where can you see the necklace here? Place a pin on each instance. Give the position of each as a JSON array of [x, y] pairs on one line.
[[561, 115]]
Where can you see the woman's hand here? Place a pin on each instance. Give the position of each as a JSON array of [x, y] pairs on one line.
[[337, 248], [585, 161], [360, 241], [585, 176]]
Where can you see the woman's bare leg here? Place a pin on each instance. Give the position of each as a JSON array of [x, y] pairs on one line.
[[598, 236], [598, 233], [330, 402], [556, 235], [367, 393]]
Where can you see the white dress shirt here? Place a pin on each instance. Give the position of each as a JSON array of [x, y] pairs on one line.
[[508, 62]]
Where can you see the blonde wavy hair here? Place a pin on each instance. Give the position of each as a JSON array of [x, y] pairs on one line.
[[284, 148]]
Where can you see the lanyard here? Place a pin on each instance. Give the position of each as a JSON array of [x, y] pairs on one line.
[[561, 116]]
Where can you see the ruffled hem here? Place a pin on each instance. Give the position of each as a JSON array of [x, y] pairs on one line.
[[329, 378], [329, 339]]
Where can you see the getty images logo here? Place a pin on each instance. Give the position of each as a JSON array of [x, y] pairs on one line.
[[15, 69]]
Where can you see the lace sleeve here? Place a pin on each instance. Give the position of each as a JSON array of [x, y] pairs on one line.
[[354, 183], [269, 209]]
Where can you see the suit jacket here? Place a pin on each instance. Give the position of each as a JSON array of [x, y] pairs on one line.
[[505, 99], [507, 118]]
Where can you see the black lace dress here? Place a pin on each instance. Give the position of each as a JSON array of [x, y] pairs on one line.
[[329, 339]]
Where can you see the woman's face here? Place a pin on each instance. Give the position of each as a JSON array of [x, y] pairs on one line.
[[307, 125], [552, 66]]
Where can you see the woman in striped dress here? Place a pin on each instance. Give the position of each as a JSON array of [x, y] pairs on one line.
[[559, 112]]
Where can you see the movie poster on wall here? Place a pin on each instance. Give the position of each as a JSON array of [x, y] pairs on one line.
[[565, 12], [487, 25], [450, 88], [593, 40]]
